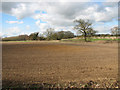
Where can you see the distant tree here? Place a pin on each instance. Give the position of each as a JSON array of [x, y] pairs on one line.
[[85, 28], [41, 37], [68, 34], [55, 36], [114, 31], [23, 37], [49, 33], [60, 35], [52, 35], [33, 36]]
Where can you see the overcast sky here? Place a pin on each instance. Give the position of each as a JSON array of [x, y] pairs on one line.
[[25, 18]]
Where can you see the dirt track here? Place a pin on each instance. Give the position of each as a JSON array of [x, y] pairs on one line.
[[43, 62]]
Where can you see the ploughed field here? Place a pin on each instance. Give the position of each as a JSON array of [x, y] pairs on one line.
[[36, 64]]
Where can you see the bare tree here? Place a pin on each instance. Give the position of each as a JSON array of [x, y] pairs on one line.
[[114, 30], [49, 32], [85, 28]]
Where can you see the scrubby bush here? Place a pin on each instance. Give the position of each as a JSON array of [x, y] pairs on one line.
[[33, 36]]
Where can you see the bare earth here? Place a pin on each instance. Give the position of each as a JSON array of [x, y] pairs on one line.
[[28, 63]]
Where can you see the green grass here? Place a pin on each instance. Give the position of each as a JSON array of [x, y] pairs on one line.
[[74, 40], [79, 40], [104, 39], [101, 39]]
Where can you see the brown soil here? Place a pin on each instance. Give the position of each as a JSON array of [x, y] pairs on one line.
[[53, 62]]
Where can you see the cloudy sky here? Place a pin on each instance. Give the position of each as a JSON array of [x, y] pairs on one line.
[[27, 17]]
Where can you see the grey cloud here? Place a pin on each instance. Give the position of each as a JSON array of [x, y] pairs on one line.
[[7, 6]]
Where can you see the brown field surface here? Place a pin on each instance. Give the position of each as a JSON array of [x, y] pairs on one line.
[[28, 63]]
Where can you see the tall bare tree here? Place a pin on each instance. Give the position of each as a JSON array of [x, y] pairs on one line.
[[49, 32], [114, 31], [85, 28]]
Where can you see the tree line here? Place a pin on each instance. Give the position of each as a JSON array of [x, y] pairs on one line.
[[50, 34], [83, 27]]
